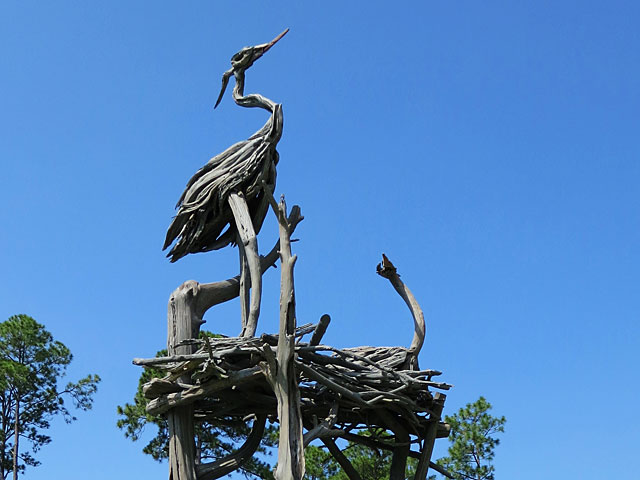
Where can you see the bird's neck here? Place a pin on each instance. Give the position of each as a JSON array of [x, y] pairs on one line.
[[251, 100]]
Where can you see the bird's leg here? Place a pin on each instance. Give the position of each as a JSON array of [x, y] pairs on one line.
[[249, 241], [245, 283]]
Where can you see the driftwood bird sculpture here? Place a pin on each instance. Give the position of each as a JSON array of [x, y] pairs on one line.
[[224, 202], [397, 358]]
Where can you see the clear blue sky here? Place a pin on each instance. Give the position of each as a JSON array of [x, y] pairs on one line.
[[491, 149]]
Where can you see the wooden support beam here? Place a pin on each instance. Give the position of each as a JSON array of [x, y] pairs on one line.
[[401, 447], [284, 379], [430, 437], [342, 460], [183, 324]]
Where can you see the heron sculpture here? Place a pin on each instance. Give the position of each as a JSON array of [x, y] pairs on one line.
[[225, 202]]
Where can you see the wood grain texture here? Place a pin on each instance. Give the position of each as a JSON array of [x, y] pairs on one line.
[[285, 381], [387, 270], [182, 324], [249, 254], [429, 438]]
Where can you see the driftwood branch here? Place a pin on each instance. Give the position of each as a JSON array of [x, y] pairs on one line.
[[320, 330], [224, 466], [401, 448], [244, 286], [182, 323], [387, 270], [284, 379], [249, 254], [325, 428], [429, 438], [190, 395]]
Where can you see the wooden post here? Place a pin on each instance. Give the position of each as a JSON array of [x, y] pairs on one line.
[[183, 324], [398, 469], [430, 437], [401, 448], [284, 380]]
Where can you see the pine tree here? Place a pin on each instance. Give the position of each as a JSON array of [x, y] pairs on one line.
[[31, 364]]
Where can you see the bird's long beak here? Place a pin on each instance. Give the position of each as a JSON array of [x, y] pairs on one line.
[[266, 46], [225, 81]]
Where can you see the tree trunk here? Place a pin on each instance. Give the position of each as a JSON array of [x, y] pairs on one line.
[[3, 445], [183, 324], [16, 433]]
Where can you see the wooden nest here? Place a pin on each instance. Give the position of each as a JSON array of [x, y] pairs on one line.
[[341, 390]]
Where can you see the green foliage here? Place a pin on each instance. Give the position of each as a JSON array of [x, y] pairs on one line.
[[319, 464], [473, 441], [213, 440], [31, 363]]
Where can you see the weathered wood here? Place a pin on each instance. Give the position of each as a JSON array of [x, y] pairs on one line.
[[230, 463], [320, 330], [401, 448], [199, 225], [186, 397], [244, 287], [387, 270], [318, 377], [324, 428], [247, 235], [429, 438], [284, 379], [300, 331], [183, 323], [228, 381], [159, 386]]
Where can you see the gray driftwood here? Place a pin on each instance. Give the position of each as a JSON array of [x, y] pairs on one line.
[[332, 393], [281, 372]]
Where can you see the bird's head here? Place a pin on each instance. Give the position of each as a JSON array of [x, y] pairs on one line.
[[243, 60]]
